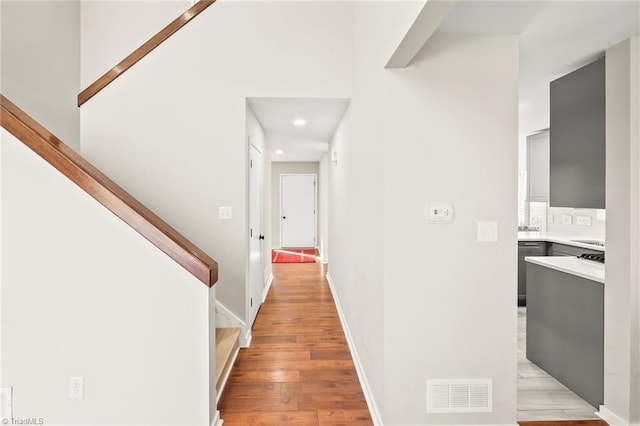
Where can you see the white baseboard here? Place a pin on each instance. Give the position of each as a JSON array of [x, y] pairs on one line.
[[610, 417], [227, 319], [217, 421], [267, 286], [226, 375], [366, 389], [245, 338]]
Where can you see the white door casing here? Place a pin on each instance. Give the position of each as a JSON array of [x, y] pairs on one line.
[[298, 210], [256, 281]]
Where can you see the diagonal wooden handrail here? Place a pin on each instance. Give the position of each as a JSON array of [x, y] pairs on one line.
[[107, 192], [143, 50]]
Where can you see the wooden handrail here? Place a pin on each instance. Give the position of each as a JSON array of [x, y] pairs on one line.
[[143, 50], [107, 192]]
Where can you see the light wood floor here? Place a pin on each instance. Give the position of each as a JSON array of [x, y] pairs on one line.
[[298, 369], [226, 346]]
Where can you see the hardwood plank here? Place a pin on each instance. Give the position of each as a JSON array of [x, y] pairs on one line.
[[273, 376], [263, 403], [355, 417], [291, 347], [292, 365], [143, 51], [107, 192], [331, 354], [275, 356], [299, 367], [271, 418], [257, 339], [266, 389]]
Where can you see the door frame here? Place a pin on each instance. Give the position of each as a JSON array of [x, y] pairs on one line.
[[249, 285], [315, 205]]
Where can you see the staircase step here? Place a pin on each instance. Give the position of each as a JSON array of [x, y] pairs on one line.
[[226, 351]]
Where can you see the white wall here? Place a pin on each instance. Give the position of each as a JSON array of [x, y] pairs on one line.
[[355, 240], [172, 129], [83, 294], [401, 132], [41, 63], [278, 168], [635, 228], [356, 196], [128, 27], [451, 131], [622, 352]]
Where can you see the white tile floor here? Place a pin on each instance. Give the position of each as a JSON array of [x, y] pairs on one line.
[[540, 396]]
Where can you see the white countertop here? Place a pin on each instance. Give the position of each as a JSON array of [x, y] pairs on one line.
[[572, 265], [560, 238]]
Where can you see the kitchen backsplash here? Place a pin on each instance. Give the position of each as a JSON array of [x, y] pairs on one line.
[[584, 222]]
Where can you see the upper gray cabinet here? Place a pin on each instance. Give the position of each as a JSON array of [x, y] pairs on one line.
[[577, 138]]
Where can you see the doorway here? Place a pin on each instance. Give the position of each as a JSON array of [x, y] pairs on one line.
[[298, 210]]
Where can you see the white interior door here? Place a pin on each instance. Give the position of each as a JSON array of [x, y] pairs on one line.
[[256, 281], [297, 210]]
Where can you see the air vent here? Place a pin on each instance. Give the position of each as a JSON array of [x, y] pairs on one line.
[[459, 396]]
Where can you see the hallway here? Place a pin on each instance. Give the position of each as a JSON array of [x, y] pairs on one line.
[[298, 369]]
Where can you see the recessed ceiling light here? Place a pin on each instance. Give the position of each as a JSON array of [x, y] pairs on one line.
[[299, 122], [278, 152]]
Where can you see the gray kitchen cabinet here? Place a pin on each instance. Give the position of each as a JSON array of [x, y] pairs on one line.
[[557, 249], [526, 248], [565, 329], [577, 138]]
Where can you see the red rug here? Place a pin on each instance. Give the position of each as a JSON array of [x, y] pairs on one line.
[[293, 255]]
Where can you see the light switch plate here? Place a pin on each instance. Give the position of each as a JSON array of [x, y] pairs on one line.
[[567, 219], [76, 387], [5, 402], [225, 213], [583, 220], [488, 232], [439, 213], [601, 215], [550, 218]]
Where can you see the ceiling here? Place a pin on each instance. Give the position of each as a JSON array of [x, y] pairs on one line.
[[306, 143], [555, 38]]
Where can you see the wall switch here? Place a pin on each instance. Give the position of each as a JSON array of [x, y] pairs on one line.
[[76, 387], [601, 215], [488, 232], [439, 213], [225, 213], [567, 219], [583, 220], [550, 218]]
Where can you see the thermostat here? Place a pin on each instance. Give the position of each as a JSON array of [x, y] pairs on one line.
[[439, 213]]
